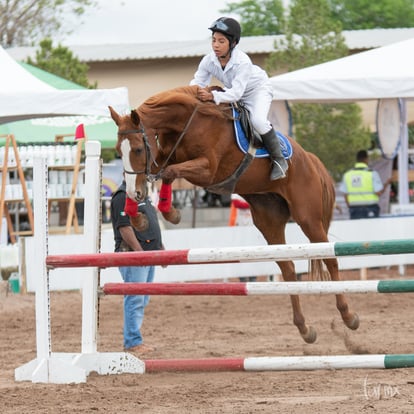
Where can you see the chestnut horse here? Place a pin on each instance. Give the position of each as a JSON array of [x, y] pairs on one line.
[[174, 135]]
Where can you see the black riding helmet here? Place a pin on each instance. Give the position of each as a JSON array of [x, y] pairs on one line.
[[229, 27]]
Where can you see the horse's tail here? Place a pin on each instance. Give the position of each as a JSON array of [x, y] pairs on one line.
[[317, 268], [328, 201]]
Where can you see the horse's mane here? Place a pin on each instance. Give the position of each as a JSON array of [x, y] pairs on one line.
[[185, 96]]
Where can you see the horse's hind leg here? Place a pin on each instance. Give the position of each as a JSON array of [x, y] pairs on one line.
[[270, 214], [308, 333], [351, 319], [314, 230]]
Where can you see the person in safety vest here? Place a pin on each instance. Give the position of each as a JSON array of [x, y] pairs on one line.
[[362, 188]]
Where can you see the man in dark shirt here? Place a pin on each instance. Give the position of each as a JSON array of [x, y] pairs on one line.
[[129, 239]]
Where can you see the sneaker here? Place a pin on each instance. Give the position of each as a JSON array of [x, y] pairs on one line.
[[140, 349]]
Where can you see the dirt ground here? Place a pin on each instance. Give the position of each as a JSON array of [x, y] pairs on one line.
[[212, 326]]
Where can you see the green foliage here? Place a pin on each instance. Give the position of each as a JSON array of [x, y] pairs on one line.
[[411, 135], [311, 18], [312, 37], [257, 18], [25, 22], [108, 154], [370, 14], [266, 17], [334, 132], [61, 62]]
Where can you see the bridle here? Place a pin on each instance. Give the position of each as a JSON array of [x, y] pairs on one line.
[[148, 153]]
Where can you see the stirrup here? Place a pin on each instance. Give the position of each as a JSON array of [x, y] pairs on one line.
[[277, 171]]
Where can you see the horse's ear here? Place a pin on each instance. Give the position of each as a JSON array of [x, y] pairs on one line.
[[114, 115], [135, 117]]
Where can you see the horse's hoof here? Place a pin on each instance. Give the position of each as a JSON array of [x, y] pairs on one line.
[[310, 336], [173, 216], [353, 323]]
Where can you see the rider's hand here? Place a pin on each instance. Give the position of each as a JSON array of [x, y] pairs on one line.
[[204, 95]]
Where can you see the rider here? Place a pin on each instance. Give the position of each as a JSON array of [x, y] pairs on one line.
[[242, 80]]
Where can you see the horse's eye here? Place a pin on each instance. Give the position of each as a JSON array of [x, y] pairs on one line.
[[138, 151]]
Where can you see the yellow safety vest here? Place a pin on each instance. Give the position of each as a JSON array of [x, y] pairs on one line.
[[360, 186]]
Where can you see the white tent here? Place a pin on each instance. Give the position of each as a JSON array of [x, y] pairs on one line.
[[23, 96], [382, 73]]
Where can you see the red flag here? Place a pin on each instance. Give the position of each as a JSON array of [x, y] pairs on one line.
[[80, 132]]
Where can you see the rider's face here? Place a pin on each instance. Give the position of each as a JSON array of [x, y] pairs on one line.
[[220, 44]]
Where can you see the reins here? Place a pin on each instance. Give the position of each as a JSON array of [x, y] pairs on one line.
[[154, 177], [148, 154]]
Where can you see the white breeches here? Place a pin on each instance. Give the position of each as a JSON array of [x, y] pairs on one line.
[[258, 103]]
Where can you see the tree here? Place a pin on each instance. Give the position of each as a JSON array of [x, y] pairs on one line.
[[258, 17], [311, 37], [334, 132], [25, 22], [61, 62], [369, 14]]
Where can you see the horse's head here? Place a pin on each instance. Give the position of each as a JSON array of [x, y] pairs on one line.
[[133, 148]]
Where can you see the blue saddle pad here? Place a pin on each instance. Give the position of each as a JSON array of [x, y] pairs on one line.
[[243, 143]]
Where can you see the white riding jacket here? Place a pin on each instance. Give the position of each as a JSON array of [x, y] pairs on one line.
[[242, 80]]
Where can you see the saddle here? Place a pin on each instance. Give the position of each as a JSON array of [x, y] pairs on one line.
[[249, 140], [242, 115], [243, 129]]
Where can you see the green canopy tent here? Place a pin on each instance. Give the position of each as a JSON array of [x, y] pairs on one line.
[[41, 130]]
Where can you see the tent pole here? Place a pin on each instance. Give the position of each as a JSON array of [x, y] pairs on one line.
[[403, 197]]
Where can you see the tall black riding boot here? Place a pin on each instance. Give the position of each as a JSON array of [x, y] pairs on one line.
[[279, 164]]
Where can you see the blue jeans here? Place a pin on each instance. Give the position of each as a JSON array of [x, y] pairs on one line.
[[360, 212], [134, 305]]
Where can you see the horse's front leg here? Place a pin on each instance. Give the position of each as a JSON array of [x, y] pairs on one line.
[[190, 170], [168, 211], [196, 171], [138, 220], [170, 173]]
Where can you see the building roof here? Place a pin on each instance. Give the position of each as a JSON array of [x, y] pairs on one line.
[[355, 39]]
